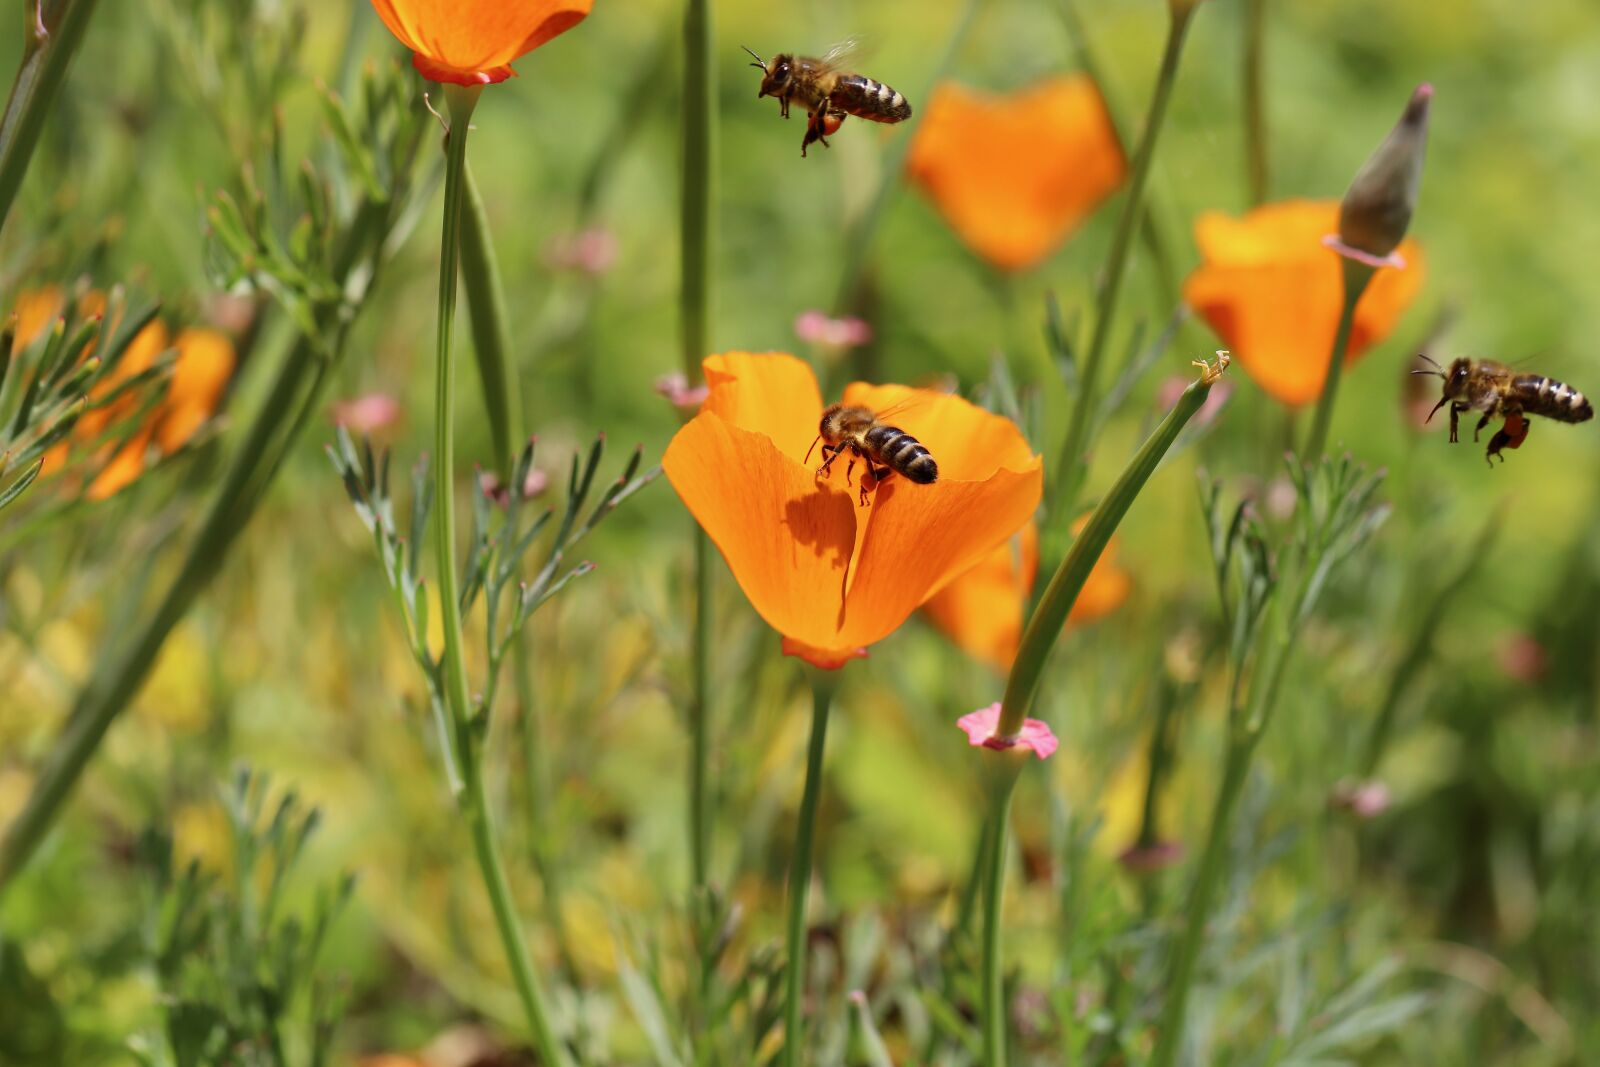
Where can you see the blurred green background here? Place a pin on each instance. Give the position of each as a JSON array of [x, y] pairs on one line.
[[1478, 882]]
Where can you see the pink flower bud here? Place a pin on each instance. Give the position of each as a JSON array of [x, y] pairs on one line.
[[980, 727], [675, 387], [592, 251], [367, 413], [1364, 800], [815, 327]]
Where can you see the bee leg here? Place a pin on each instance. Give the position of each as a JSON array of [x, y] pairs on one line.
[[1510, 435], [1476, 430], [1456, 408], [848, 471], [832, 453]]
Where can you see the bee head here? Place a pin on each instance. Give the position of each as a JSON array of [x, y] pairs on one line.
[[775, 75], [1455, 379]]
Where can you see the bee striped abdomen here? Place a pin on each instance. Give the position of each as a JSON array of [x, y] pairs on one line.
[[902, 453], [1550, 398], [869, 99]]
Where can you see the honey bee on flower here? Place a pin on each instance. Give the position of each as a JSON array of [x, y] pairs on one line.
[[886, 449]]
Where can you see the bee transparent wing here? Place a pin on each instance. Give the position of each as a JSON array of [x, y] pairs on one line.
[[900, 407], [848, 49]]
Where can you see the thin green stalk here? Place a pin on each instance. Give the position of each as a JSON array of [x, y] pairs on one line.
[[462, 100], [1070, 468], [994, 883], [694, 313], [1212, 861], [485, 843], [1356, 277], [699, 802], [973, 890], [474, 800], [1150, 231], [502, 400], [822, 688], [118, 677], [1044, 627], [894, 165], [491, 338], [1255, 107], [45, 59]]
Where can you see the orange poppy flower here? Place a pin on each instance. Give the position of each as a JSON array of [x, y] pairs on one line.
[[1014, 174], [981, 611], [1273, 293], [829, 574], [472, 42]]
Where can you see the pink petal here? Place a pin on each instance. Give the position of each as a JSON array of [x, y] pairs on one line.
[[980, 726], [1393, 259]]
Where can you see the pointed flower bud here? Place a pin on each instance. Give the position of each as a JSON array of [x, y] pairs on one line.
[[1377, 207]]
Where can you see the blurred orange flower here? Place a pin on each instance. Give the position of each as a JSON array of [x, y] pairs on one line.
[[32, 314], [981, 611], [828, 574], [200, 374], [1014, 174], [1273, 293], [472, 42]]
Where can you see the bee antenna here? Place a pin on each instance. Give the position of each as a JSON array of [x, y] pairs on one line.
[[1432, 368], [819, 436], [759, 62]]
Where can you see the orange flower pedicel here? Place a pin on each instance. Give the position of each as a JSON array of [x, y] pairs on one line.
[[473, 42], [1271, 289], [1015, 174], [830, 574]]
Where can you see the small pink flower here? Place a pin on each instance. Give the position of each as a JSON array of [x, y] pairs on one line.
[[675, 387], [1364, 800], [1171, 389], [591, 251], [367, 413], [535, 483], [815, 327], [1146, 859], [980, 726], [1522, 658]]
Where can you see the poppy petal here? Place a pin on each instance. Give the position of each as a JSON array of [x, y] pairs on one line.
[[786, 538], [473, 41], [770, 393]]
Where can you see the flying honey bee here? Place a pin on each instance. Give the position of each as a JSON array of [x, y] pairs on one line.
[[828, 94], [885, 449], [1490, 387]]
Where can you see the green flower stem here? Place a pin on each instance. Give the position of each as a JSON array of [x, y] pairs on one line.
[[475, 807], [1037, 641], [1356, 277], [267, 441], [823, 684], [1007, 767], [1150, 230], [894, 165], [1212, 861], [694, 313], [461, 100], [1045, 625], [474, 799], [502, 400], [1070, 468], [491, 336], [1255, 108], [44, 67]]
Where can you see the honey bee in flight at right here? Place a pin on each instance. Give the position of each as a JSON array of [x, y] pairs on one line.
[[1490, 387], [829, 94]]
